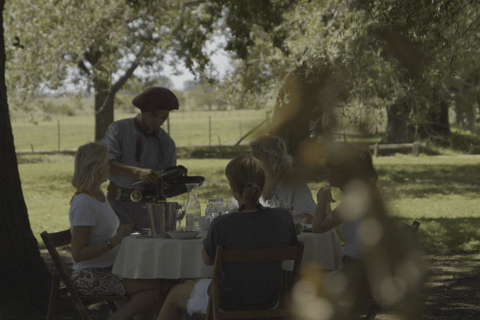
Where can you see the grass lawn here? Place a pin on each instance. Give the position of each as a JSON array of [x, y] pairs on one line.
[[439, 191], [186, 128]]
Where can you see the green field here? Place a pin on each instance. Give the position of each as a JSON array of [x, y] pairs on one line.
[[439, 191], [186, 128]]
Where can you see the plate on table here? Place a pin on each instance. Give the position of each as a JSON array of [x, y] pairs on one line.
[[183, 235]]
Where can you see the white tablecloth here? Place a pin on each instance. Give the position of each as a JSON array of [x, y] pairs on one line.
[[323, 249], [155, 258]]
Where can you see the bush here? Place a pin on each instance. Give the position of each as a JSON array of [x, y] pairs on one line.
[[124, 103], [66, 109], [214, 152]]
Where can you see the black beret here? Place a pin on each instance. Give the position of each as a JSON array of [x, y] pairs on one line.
[[156, 98]]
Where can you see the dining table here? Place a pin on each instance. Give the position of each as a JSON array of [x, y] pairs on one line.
[[141, 257]]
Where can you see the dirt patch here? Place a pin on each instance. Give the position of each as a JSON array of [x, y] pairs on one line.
[[452, 291]]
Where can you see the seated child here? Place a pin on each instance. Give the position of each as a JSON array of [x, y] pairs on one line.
[[252, 286]]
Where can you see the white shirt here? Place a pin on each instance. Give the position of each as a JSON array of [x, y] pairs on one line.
[[121, 141], [353, 245], [88, 211], [296, 195]]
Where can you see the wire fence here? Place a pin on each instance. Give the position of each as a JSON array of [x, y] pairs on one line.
[[192, 128]]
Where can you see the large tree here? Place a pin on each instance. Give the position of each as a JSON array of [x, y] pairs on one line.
[[24, 280], [97, 44], [360, 54]]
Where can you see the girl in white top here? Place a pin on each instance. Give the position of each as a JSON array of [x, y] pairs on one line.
[[96, 235], [280, 185], [347, 168]]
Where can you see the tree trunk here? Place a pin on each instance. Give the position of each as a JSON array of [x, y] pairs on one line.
[[437, 119], [397, 124], [471, 117], [459, 117], [103, 108], [24, 278]]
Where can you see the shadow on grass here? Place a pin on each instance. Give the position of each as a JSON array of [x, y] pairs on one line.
[[422, 181], [453, 286], [442, 235], [465, 141]]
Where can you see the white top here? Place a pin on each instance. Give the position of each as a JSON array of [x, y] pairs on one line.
[[353, 246], [88, 211], [162, 258], [296, 195]]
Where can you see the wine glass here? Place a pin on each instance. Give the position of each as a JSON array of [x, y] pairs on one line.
[[180, 215], [272, 203]]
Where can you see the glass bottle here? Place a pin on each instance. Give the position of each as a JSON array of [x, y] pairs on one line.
[[160, 197], [192, 208]]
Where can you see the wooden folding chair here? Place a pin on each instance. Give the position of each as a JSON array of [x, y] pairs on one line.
[[223, 255], [372, 311], [68, 292]]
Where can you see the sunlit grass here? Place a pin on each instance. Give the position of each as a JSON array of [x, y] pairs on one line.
[[186, 128]]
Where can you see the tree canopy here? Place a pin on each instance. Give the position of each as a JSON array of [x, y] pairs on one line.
[[97, 44], [371, 54]]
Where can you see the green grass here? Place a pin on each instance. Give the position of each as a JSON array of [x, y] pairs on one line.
[[439, 191], [186, 128]]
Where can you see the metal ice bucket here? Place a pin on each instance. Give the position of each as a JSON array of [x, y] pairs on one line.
[[163, 217]]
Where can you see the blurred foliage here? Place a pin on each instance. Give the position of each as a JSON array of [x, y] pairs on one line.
[[95, 46], [372, 53], [203, 96]]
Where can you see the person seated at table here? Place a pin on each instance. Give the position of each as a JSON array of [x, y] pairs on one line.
[[96, 235], [272, 153], [251, 286], [345, 164]]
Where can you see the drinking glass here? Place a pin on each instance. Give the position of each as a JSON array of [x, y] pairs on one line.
[[272, 203], [180, 215], [215, 207], [192, 208]]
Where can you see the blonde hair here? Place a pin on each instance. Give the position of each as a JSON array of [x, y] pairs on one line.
[[276, 152], [351, 161], [88, 159], [246, 176]]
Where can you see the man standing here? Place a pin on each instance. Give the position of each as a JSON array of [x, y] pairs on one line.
[[138, 149]]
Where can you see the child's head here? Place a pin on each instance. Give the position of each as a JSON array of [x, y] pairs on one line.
[[273, 151], [89, 158], [247, 177], [346, 162]]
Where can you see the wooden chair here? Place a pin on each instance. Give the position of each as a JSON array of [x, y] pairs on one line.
[[223, 255], [372, 311], [68, 292]]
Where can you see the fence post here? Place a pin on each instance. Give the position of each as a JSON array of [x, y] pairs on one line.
[[415, 149], [375, 150], [58, 121], [210, 131], [220, 147]]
